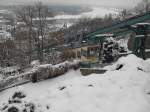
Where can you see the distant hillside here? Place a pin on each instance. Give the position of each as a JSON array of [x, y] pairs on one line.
[[68, 9]]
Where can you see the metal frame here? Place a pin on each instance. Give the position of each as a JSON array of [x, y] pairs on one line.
[[125, 27]]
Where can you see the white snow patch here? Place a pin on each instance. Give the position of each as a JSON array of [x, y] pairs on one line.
[[130, 63], [35, 63]]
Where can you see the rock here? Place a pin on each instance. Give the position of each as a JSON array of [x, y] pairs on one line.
[[19, 95]]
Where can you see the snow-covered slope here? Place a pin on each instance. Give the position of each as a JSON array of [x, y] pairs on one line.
[[124, 90]]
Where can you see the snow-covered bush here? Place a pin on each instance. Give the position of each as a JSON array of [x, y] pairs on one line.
[[17, 104], [112, 48], [39, 72], [9, 71], [48, 70], [35, 63]]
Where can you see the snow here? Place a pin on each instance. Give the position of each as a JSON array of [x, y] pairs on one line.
[[130, 63], [5, 35], [96, 12], [148, 60], [123, 43], [1, 77], [35, 63], [147, 50], [100, 12], [10, 69], [9, 72], [4, 11], [123, 90], [104, 35]]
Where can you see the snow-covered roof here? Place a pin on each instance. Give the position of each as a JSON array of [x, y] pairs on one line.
[[105, 35], [143, 24]]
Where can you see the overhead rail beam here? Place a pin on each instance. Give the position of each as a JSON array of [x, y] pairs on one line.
[[121, 24]]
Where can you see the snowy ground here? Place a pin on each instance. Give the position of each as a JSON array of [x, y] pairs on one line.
[[123, 90]]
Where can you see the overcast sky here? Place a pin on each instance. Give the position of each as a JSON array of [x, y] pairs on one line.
[[113, 3]]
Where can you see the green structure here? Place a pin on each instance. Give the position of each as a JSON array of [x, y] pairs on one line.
[[134, 24], [141, 31]]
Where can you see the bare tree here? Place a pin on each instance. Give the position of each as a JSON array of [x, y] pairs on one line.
[[124, 14], [7, 53], [26, 15], [143, 6], [41, 14]]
